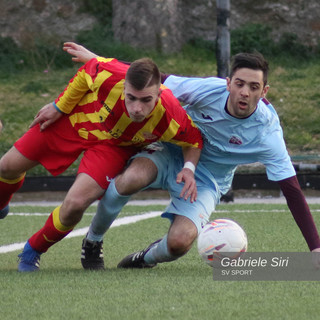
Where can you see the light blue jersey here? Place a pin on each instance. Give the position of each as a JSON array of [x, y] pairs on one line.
[[229, 141]]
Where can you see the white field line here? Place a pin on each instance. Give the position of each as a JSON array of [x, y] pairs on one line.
[[27, 214], [266, 200], [57, 203], [83, 231], [133, 219]]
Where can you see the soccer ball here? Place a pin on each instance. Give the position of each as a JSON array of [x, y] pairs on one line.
[[221, 238]]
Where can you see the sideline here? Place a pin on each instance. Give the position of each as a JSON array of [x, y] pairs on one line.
[[82, 231]]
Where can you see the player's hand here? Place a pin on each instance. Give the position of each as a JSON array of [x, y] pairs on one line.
[[79, 53], [46, 116], [190, 188], [316, 257]]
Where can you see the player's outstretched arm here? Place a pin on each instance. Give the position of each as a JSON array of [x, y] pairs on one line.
[[300, 211], [79, 53], [316, 257], [82, 54]]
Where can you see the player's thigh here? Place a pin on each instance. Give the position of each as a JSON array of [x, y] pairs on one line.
[[104, 162], [140, 173], [157, 168], [82, 193], [13, 164]]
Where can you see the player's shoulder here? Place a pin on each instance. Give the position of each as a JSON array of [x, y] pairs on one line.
[[266, 108], [105, 60], [110, 64], [167, 97]]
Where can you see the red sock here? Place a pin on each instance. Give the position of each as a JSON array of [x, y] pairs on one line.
[[8, 188], [53, 231]]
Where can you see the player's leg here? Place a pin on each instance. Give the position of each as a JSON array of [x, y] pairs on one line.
[[89, 185], [138, 175], [143, 171], [175, 244], [49, 148], [13, 166], [186, 224], [181, 236], [172, 246], [187, 220], [61, 221]]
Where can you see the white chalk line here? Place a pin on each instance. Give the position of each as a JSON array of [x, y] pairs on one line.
[[28, 214], [82, 231], [57, 203], [120, 221], [269, 200]]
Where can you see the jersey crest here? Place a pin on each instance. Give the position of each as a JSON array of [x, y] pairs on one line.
[[235, 140]]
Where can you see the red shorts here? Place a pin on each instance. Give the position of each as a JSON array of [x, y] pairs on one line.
[[58, 146]]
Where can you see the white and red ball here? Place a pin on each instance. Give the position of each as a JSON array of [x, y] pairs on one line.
[[221, 238]]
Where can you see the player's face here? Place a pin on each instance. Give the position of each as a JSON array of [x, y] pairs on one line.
[[140, 103], [246, 87]]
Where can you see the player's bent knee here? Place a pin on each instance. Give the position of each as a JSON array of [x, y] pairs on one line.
[[6, 170], [71, 212], [181, 236], [13, 164], [73, 205], [180, 244], [178, 249]]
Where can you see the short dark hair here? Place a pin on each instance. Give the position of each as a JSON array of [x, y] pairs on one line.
[[255, 61], [143, 73]]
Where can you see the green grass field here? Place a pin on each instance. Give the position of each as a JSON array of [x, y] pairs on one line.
[[183, 289]]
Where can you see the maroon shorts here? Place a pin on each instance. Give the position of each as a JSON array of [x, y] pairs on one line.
[[58, 146]]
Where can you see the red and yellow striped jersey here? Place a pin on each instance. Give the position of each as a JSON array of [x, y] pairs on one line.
[[94, 101]]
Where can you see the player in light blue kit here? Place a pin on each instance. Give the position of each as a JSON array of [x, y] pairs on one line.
[[239, 126]]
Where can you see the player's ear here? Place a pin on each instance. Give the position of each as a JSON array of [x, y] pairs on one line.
[[265, 91], [228, 83]]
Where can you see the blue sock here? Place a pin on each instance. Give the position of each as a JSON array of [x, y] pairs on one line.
[[108, 209], [4, 212], [159, 253]]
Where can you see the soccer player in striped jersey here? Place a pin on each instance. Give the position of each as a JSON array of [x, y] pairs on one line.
[[239, 126], [108, 112]]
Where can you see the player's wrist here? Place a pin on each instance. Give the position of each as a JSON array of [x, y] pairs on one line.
[[189, 165], [56, 107]]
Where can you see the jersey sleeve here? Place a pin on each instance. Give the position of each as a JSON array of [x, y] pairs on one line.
[[276, 158], [79, 85], [300, 211]]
